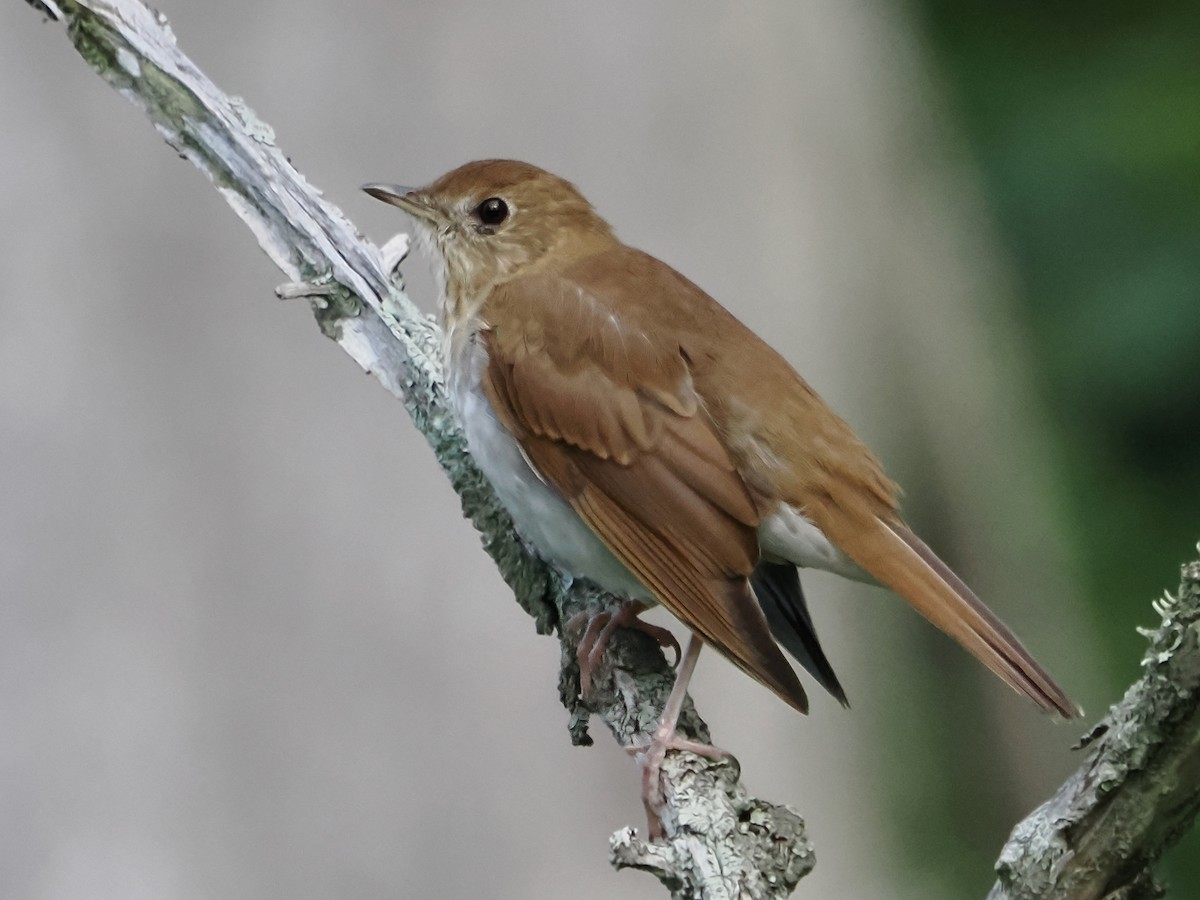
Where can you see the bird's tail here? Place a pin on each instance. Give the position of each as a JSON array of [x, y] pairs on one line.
[[901, 561]]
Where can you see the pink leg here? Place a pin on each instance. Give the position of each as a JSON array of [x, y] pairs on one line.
[[665, 739], [600, 628]]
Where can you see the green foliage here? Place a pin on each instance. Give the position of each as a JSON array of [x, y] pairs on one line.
[[1085, 124]]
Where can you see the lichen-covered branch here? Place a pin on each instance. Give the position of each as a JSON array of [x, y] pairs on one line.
[[720, 843], [1138, 790]]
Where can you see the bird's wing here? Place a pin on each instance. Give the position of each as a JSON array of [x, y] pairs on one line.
[[608, 415], [839, 486]]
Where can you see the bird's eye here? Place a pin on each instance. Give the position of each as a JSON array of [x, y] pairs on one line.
[[492, 211]]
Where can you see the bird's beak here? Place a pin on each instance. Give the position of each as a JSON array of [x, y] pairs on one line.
[[411, 200]]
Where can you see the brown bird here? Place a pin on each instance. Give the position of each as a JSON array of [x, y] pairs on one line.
[[644, 438]]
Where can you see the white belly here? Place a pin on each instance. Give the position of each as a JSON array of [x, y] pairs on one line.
[[541, 515]]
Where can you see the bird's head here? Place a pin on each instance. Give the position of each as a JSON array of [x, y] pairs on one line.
[[491, 220]]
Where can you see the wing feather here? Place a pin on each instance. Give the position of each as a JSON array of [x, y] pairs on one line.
[[722, 611], [612, 421]]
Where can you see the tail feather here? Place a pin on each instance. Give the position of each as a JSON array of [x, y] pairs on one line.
[[902, 561], [777, 588]]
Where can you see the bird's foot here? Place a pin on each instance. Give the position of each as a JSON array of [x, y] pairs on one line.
[[665, 738], [600, 628], [651, 757]]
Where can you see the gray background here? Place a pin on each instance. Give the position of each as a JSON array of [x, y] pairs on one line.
[[248, 648]]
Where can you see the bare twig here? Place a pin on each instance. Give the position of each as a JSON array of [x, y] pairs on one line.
[[1139, 789], [720, 843]]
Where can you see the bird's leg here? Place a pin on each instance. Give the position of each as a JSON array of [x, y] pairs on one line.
[[600, 628], [651, 757]]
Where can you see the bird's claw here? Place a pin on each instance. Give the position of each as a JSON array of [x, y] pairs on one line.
[[651, 756], [599, 630]]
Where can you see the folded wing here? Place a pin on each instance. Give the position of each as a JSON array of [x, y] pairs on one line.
[[610, 418]]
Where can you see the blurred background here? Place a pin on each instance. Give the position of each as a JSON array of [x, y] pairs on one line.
[[248, 648]]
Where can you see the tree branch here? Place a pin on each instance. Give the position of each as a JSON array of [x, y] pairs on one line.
[[1138, 791], [720, 843]]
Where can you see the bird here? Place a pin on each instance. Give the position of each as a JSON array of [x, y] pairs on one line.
[[645, 439]]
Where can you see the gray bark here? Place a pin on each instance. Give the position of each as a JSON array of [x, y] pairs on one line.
[[1137, 792], [719, 841]]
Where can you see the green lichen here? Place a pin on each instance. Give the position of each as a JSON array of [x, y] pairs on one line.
[[95, 42], [331, 309], [161, 94]]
